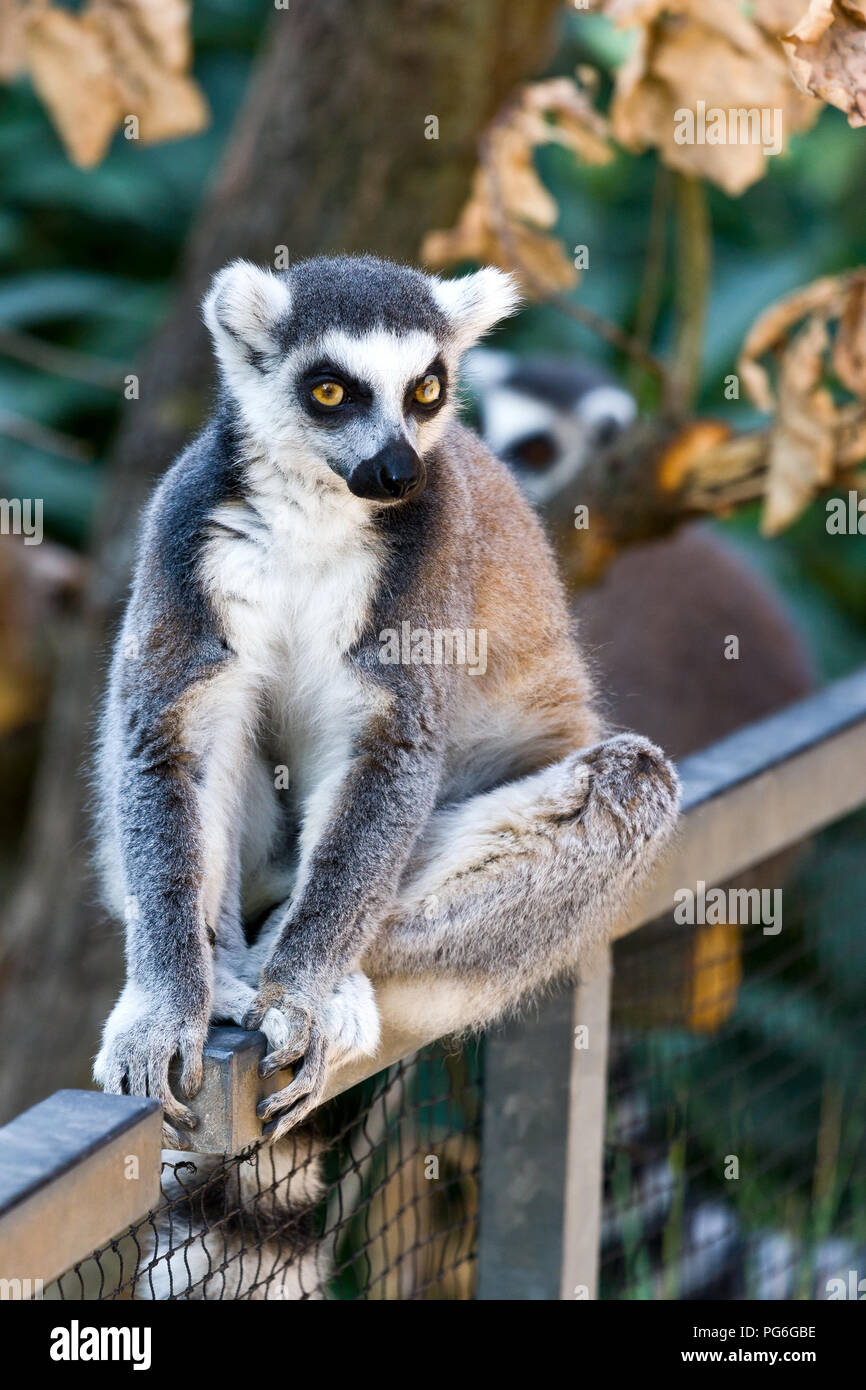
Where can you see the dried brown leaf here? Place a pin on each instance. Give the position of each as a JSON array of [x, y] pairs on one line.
[[518, 185], [770, 330], [538, 258], [540, 261], [827, 55], [691, 56], [849, 349], [802, 446], [787, 363], [167, 103], [778, 17], [509, 214], [71, 69], [113, 59], [165, 24], [559, 111], [851, 439], [815, 22], [11, 38]]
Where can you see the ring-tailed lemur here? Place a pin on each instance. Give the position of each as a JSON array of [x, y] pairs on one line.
[[292, 737], [545, 416]]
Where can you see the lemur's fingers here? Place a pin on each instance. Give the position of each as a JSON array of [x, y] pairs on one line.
[[303, 1093], [173, 1138], [286, 1025], [191, 1063], [175, 1112], [291, 1051], [270, 997], [134, 1063], [296, 1116], [144, 1075], [159, 1086], [234, 999]]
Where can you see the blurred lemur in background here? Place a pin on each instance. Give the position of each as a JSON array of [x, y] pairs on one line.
[[303, 787], [655, 627]]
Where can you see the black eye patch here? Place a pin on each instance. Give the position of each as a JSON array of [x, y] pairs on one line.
[[410, 403], [534, 451], [358, 394]]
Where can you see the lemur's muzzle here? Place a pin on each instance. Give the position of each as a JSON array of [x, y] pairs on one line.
[[392, 475]]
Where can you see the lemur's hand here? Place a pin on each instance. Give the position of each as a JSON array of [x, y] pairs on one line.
[[346, 1026], [306, 1043], [144, 1033]]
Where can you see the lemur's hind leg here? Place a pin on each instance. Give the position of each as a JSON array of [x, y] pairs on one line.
[[514, 888]]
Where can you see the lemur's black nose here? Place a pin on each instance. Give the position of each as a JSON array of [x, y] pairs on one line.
[[396, 472]]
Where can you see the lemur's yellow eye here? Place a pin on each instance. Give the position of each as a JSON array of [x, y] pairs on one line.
[[329, 393], [428, 391]]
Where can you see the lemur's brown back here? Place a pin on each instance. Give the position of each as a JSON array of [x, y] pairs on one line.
[[536, 694]]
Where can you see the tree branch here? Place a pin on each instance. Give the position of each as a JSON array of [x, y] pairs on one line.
[[694, 256]]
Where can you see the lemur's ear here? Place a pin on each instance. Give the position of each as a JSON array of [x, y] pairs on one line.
[[242, 309], [476, 302]]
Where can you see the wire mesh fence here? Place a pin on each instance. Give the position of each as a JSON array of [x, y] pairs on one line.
[[378, 1201], [735, 1162]]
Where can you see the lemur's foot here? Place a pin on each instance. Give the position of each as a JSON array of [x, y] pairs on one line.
[[142, 1037], [352, 1024], [633, 790]]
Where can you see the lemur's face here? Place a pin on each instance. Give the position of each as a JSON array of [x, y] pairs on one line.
[[546, 417], [345, 369]]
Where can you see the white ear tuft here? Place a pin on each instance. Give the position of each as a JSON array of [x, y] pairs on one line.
[[475, 303], [242, 310]]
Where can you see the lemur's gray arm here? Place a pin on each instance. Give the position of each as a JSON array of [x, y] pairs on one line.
[[165, 1006], [157, 750], [167, 952], [352, 872], [385, 799]]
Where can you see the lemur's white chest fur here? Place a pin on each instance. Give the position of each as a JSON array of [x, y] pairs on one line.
[[292, 572]]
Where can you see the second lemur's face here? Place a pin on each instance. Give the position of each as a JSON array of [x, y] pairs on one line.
[[344, 370]]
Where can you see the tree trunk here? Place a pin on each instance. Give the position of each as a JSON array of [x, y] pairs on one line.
[[329, 154]]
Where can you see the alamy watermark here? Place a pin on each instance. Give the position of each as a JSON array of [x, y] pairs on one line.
[[438, 646], [77, 1343], [846, 516], [21, 1290], [735, 125], [739, 906], [853, 1287], [22, 516]]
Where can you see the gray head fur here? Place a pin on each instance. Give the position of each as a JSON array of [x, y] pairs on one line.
[[377, 330]]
